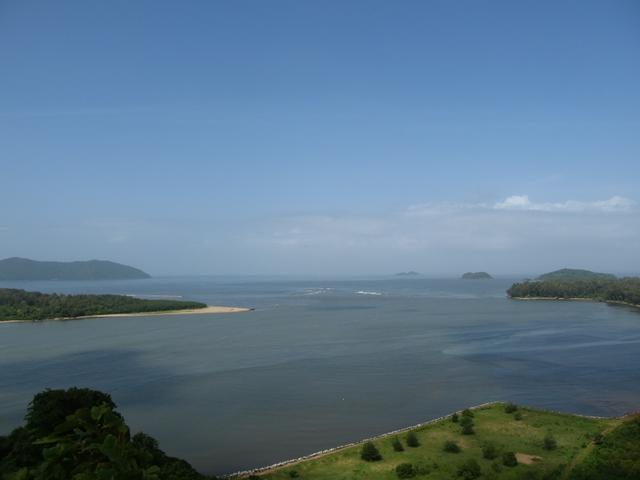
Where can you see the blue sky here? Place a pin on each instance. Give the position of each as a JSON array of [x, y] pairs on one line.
[[303, 137]]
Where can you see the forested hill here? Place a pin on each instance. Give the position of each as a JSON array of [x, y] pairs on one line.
[[476, 276], [24, 269], [23, 305], [626, 290], [575, 274]]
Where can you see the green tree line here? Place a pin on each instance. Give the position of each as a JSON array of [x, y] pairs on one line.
[[22, 305], [606, 290]]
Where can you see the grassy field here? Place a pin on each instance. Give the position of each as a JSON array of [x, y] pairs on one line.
[[492, 425]]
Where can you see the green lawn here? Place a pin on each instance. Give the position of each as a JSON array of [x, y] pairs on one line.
[[492, 425]]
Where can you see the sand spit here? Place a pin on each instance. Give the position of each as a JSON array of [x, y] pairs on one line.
[[211, 309]]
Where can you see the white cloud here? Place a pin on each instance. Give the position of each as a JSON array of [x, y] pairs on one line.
[[522, 202]]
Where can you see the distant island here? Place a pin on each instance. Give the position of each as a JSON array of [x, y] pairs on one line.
[[600, 288], [407, 274], [476, 276], [22, 305], [575, 274], [25, 269]]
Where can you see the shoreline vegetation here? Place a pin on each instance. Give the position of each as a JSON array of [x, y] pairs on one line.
[[22, 306], [78, 433], [500, 425], [622, 291]]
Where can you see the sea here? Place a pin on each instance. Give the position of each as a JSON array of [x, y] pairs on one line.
[[320, 362]]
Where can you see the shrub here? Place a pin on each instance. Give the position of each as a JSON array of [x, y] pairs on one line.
[[467, 413], [451, 447], [509, 459], [422, 468], [454, 418], [412, 440], [293, 474], [397, 444], [468, 429], [370, 453], [510, 407], [466, 421], [517, 416], [489, 451], [469, 470], [549, 443], [405, 470]]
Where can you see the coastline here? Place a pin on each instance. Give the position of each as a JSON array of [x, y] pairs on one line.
[[208, 310], [577, 299], [322, 453]]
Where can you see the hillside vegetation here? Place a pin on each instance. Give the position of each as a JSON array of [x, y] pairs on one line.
[[575, 274], [77, 434], [498, 442], [476, 276], [25, 269], [22, 305], [626, 290]]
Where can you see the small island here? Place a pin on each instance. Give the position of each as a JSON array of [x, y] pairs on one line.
[[407, 274], [25, 269], [20, 305], [476, 276]]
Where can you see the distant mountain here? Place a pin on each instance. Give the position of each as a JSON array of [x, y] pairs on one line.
[[575, 274], [407, 274], [476, 276], [24, 269]]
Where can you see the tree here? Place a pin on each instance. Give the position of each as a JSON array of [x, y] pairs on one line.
[[509, 459], [412, 440], [397, 444], [49, 409], [454, 418], [467, 413], [510, 407], [467, 425], [489, 451], [93, 443], [405, 470], [451, 447], [370, 453], [549, 442], [469, 470], [517, 416]]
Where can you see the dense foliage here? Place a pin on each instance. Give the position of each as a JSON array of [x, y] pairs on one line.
[[625, 290], [370, 453], [412, 440], [575, 274], [476, 276], [25, 269], [22, 305], [615, 457], [77, 434]]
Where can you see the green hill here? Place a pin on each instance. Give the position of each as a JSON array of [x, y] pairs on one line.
[[24, 269], [476, 276], [575, 274]]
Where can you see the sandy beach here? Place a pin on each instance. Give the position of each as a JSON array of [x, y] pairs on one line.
[[211, 309]]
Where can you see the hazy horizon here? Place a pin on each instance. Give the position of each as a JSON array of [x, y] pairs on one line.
[[332, 138]]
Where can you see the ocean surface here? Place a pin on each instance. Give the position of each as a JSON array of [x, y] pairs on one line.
[[321, 362]]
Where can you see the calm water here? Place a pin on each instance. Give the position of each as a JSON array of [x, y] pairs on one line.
[[321, 363]]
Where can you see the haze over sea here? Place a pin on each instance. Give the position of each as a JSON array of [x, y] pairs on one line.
[[321, 362]]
